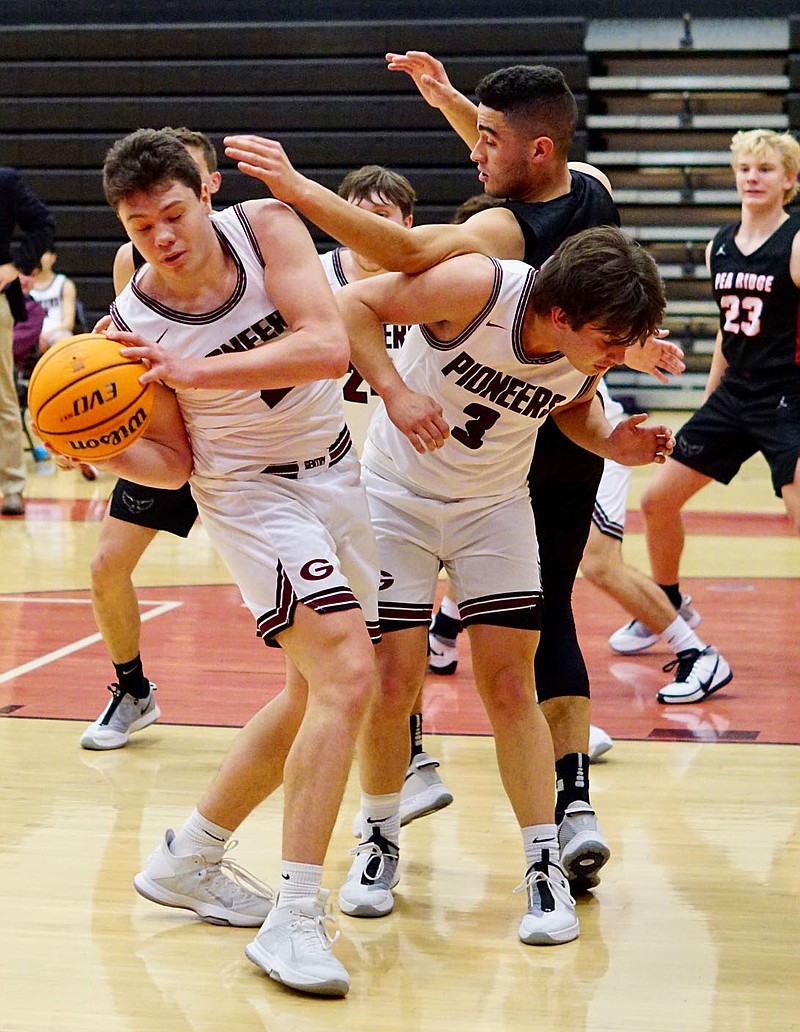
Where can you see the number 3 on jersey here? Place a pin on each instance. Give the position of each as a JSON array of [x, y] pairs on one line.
[[471, 434]]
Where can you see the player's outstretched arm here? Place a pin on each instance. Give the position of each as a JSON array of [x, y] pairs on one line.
[[628, 443], [433, 83], [384, 242]]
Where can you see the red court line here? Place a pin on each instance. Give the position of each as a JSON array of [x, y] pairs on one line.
[[222, 677], [729, 524]]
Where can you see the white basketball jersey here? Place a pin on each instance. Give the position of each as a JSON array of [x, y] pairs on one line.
[[237, 432], [51, 300], [360, 401], [494, 397]]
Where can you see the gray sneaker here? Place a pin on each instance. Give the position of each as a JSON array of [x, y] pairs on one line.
[[423, 792], [215, 887], [636, 637], [123, 715], [583, 849]]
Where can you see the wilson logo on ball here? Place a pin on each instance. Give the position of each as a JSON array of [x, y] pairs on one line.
[[124, 434]]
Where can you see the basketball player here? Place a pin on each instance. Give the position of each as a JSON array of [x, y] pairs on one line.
[[494, 348], [386, 193], [752, 398], [250, 342], [134, 516], [520, 136]]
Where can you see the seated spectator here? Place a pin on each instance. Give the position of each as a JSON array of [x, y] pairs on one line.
[[56, 293]]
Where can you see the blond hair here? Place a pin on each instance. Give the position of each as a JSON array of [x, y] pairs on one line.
[[759, 141]]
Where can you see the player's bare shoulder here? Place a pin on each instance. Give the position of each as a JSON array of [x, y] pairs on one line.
[[267, 211], [593, 171], [493, 231]]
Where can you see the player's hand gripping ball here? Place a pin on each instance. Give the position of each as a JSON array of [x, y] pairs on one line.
[[85, 399]]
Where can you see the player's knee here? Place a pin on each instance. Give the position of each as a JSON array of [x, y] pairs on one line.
[[597, 565]]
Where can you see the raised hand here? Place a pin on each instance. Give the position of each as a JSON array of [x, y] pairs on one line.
[[428, 74], [266, 161]]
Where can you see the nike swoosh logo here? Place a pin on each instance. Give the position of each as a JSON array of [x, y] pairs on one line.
[[286, 877], [495, 325]]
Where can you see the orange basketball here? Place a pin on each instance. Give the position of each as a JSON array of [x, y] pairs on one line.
[[86, 399]]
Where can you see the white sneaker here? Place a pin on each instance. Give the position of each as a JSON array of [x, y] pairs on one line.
[[295, 944], [699, 675], [599, 743], [367, 889], [636, 637], [442, 656], [118, 721], [423, 792], [200, 882], [551, 917], [583, 849]]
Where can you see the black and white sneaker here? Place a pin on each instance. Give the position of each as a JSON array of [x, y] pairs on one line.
[[367, 889], [442, 655], [699, 675], [124, 715]]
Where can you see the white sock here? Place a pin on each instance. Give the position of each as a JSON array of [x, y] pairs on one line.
[[199, 834], [680, 636], [537, 837], [449, 608], [298, 881], [381, 813]]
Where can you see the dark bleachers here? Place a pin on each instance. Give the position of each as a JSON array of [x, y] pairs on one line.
[[320, 87]]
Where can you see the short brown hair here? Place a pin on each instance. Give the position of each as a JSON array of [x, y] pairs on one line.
[[603, 278], [198, 140], [377, 181], [145, 159]]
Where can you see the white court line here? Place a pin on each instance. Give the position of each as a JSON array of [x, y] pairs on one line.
[[159, 609]]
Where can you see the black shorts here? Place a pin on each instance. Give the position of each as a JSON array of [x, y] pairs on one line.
[[740, 418], [154, 507]]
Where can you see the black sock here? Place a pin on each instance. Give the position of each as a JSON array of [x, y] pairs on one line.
[[673, 593], [572, 782], [131, 679], [415, 724], [445, 627]]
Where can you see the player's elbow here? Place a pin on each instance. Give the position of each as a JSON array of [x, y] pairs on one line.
[[179, 471], [335, 357]]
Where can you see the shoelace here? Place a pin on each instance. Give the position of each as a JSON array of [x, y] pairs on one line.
[[558, 888], [242, 878], [684, 662], [375, 850]]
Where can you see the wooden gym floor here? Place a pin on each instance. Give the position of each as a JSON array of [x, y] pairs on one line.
[[695, 927]]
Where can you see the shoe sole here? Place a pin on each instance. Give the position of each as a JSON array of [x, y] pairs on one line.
[[599, 751], [151, 890], [432, 799], [586, 858], [444, 671], [430, 805], [553, 938], [294, 979], [695, 696], [365, 909], [119, 740]]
